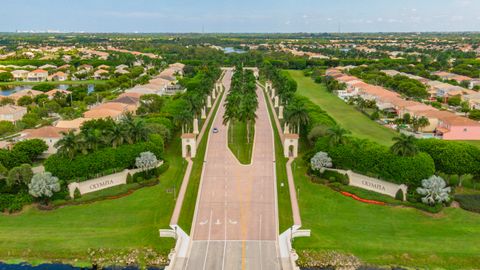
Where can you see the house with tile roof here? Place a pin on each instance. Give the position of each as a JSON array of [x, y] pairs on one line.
[[38, 75], [12, 113], [49, 134]]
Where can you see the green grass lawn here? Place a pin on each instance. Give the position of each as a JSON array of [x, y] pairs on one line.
[[54, 82], [385, 235], [188, 207], [285, 218], [346, 115], [239, 142], [120, 224]]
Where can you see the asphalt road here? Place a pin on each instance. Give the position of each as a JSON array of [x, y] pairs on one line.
[[236, 224]]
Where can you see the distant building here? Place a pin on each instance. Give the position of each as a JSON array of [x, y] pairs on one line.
[[49, 134], [38, 75], [12, 113]]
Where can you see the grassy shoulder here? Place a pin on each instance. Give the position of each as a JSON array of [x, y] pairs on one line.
[[188, 208], [16, 83], [347, 116], [385, 235], [285, 216], [239, 142], [66, 234]]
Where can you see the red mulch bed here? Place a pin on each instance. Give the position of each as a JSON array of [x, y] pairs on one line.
[[355, 197]]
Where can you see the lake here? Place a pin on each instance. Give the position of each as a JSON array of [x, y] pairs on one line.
[[233, 50]]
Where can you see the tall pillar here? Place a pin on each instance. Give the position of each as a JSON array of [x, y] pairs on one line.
[[209, 101], [195, 126], [286, 129], [204, 114], [280, 112], [273, 93], [214, 95], [276, 101]]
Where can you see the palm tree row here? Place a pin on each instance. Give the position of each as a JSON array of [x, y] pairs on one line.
[[241, 103], [89, 139]]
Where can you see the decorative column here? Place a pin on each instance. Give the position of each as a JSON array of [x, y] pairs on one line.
[[286, 129], [214, 96], [209, 101], [280, 112], [195, 126], [204, 114], [276, 101], [273, 93]]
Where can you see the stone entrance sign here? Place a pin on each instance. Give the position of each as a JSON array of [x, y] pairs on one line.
[[376, 185], [103, 182]]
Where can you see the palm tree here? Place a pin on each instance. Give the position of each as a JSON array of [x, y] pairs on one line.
[[68, 145], [296, 115], [88, 140], [404, 145], [248, 110], [138, 132], [183, 119], [115, 135], [337, 135]]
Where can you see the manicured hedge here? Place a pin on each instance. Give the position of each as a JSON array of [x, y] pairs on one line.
[[469, 202], [376, 160], [452, 157], [14, 202], [85, 166]]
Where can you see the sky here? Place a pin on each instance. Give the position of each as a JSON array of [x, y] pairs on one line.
[[252, 16]]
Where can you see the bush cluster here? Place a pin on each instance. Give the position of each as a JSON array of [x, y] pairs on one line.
[[469, 202], [84, 166], [14, 202], [376, 160], [452, 157]]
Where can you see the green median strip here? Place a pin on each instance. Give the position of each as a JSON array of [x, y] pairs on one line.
[[239, 143]]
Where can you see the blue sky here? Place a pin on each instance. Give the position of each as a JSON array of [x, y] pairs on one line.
[[240, 15]]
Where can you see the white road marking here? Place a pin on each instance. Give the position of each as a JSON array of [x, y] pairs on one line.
[[203, 222], [208, 242]]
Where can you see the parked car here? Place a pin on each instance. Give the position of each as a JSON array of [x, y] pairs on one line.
[[215, 130]]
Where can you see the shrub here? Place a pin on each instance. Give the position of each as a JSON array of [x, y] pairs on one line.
[[162, 168], [14, 202], [370, 158], [452, 157], [85, 166], [129, 178], [469, 202], [399, 195], [334, 176], [77, 194]]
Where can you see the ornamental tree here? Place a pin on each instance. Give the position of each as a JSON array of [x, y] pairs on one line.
[[320, 161], [43, 185], [435, 190], [146, 161]]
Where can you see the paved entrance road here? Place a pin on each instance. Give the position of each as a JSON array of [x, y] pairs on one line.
[[235, 224]]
